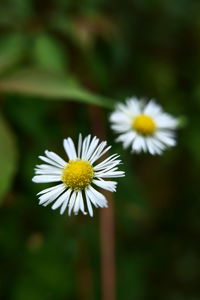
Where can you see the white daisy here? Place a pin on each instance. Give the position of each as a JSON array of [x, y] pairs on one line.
[[144, 127], [77, 175]]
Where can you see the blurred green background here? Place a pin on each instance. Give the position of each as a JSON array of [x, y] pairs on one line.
[[59, 60]]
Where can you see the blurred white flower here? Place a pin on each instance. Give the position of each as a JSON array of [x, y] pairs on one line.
[[77, 175], [144, 127]]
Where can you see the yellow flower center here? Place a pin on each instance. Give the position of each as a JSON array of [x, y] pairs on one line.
[[77, 174], [144, 125]]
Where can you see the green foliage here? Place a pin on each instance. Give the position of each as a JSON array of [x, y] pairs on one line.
[[8, 158], [57, 59], [49, 85], [48, 53], [11, 51]]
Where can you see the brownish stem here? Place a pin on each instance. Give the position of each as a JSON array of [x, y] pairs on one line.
[[107, 251], [107, 234]]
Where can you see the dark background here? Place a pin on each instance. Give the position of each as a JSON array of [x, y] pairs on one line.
[[58, 59]]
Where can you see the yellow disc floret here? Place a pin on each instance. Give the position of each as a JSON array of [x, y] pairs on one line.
[[77, 174], [144, 125]]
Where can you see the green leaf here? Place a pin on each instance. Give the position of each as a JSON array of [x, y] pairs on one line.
[[11, 51], [51, 86], [8, 157], [48, 53]]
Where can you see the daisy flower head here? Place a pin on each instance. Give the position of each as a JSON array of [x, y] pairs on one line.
[[78, 176], [143, 126]]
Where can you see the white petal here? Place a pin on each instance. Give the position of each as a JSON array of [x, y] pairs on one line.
[[55, 158], [71, 202], [49, 171], [165, 138], [120, 128], [106, 162], [101, 154], [100, 198], [165, 121], [46, 178], [143, 144], [135, 106], [89, 205], [107, 185], [63, 198], [150, 146], [139, 144], [49, 161], [79, 145], [77, 204], [123, 108], [91, 198], [127, 138], [136, 146], [109, 168], [64, 205], [152, 109], [97, 152], [67, 149], [46, 167], [70, 148], [92, 147], [111, 174], [85, 146], [49, 189], [158, 146], [51, 195], [119, 117], [73, 150], [82, 208]]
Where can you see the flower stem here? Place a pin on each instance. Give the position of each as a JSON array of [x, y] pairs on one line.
[[107, 236], [107, 252]]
